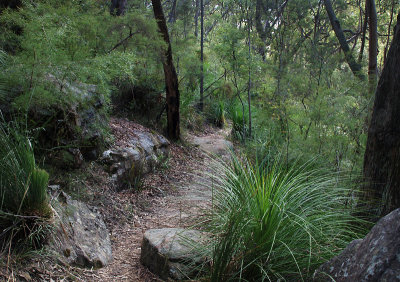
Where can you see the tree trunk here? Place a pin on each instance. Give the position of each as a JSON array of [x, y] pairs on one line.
[[171, 78], [172, 13], [354, 66], [364, 32], [249, 82], [373, 47], [260, 28], [118, 7], [201, 104], [388, 35], [382, 154], [196, 18]]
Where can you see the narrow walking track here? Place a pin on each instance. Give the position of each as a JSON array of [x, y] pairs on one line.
[[177, 194]]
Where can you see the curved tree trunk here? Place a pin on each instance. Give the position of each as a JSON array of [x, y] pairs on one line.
[[382, 154], [354, 66], [171, 78]]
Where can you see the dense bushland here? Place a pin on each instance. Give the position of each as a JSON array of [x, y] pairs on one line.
[[300, 90], [278, 60]]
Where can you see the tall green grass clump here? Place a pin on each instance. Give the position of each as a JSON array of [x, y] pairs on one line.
[[270, 222], [216, 113], [239, 121], [23, 190]]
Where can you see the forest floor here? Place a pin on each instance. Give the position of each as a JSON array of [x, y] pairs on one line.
[[172, 196]]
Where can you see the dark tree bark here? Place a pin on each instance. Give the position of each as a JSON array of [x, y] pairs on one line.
[[118, 7], [171, 78], [382, 154], [354, 66]]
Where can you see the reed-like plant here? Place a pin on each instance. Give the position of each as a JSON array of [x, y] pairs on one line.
[[23, 188], [270, 222], [216, 113]]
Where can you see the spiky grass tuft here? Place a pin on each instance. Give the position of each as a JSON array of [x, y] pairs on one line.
[[270, 222], [23, 191]]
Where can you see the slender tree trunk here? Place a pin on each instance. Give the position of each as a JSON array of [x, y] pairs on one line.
[[201, 104], [196, 18], [389, 30], [172, 13], [382, 153], [260, 28], [364, 32], [249, 82], [354, 66], [373, 47], [171, 79]]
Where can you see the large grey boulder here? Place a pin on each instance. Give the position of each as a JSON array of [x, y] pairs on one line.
[[144, 153], [171, 252], [81, 237], [375, 258]]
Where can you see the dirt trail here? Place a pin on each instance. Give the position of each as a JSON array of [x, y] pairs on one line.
[[175, 197]]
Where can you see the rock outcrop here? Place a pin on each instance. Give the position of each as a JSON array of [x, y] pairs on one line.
[[81, 237], [143, 154], [170, 252], [375, 258], [72, 126]]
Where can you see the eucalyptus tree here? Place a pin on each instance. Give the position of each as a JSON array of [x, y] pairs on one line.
[[201, 55], [373, 46], [171, 78], [382, 154], [353, 64]]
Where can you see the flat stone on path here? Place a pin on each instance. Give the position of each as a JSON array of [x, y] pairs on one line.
[[169, 252], [212, 145]]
